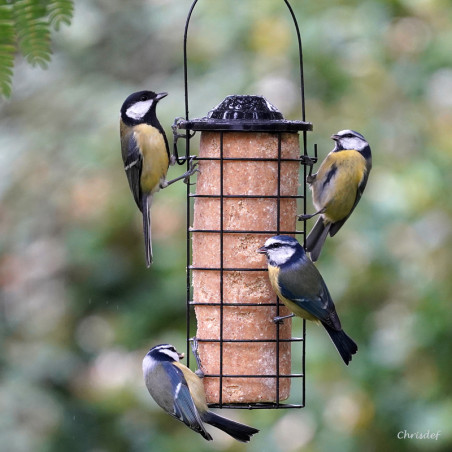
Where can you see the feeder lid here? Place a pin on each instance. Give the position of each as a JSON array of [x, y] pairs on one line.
[[245, 113]]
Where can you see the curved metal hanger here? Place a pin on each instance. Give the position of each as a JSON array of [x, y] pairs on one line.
[[300, 52]]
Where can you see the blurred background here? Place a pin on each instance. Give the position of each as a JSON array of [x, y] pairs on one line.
[[79, 309]]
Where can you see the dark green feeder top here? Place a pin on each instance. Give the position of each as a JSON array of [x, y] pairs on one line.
[[245, 113]]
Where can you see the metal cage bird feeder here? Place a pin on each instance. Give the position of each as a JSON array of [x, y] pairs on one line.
[[248, 190]]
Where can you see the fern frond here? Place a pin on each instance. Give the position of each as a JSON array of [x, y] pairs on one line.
[[60, 12], [7, 49], [25, 26], [32, 31]]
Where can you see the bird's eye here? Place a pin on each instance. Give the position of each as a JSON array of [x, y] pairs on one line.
[[274, 245], [143, 97]]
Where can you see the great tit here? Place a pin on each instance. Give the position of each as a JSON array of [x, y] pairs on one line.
[[299, 285], [180, 392], [146, 155], [337, 187]]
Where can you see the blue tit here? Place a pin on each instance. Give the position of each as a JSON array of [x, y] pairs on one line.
[[300, 286], [180, 392], [146, 155], [337, 187]]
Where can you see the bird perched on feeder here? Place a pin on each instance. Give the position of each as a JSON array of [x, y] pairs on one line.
[[337, 187], [180, 392], [146, 155], [300, 286]]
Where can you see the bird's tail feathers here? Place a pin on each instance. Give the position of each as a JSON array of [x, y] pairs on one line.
[[316, 238], [345, 345], [240, 432], [146, 210]]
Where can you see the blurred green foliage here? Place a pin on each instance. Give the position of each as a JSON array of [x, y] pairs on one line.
[[79, 309], [25, 25]]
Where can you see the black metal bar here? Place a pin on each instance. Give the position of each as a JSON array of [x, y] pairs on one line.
[[245, 231], [278, 229], [220, 399], [277, 376], [292, 339], [229, 269], [248, 196], [185, 57], [255, 406], [250, 159], [300, 53], [196, 303]]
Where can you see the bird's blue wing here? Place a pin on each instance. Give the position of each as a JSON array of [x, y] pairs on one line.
[[133, 166], [305, 287], [184, 406]]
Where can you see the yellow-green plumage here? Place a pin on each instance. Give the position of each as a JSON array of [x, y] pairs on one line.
[[155, 158], [337, 187], [338, 202], [273, 275]]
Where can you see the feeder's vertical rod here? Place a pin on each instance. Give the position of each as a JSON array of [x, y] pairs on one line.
[[188, 254], [303, 365], [305, 152], [220, 395], [278, 229], [188, 205]]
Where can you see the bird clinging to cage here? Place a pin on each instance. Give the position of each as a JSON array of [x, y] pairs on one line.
[[300, 286], [337, 187], [146, 155], [180, 392]]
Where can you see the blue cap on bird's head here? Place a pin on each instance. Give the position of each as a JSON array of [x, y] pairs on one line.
[[280, 249], [278, 241]]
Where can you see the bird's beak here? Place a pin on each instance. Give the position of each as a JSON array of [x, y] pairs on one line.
[[335, 137], [160, 96], [262, 250], [181, 355]]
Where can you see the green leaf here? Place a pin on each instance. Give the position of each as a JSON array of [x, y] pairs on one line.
[[25, 26], [60, 12], [7, 49], [33, 32]]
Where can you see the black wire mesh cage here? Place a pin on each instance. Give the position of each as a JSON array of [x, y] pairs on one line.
[[214, 247]]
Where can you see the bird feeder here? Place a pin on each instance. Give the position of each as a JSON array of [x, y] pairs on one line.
[[248, 189]]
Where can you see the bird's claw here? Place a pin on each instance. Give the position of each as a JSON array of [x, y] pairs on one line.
[[306, 160], [279, 319], [192, 169], [194, 348], [304, 217]]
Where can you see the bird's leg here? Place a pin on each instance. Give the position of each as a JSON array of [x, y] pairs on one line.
[[309, 216], [194, 349], [279, 319], [175, 156], [186, 176], [309, 161]]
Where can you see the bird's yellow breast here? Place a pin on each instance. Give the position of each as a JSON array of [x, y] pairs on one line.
[[273, 275], [155, 157], [339, 195]]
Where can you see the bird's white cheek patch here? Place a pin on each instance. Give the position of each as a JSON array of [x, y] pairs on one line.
[[170, 353], [139, 109]]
